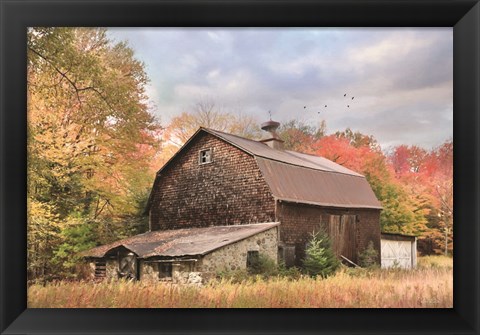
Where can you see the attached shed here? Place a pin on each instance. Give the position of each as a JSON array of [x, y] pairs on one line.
[[398, 250], [183, 255]]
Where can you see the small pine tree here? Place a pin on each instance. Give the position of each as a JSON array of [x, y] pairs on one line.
[[368, 257], [320, 259]]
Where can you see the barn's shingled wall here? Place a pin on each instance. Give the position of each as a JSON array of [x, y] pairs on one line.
[[230, 190], [298, 221]]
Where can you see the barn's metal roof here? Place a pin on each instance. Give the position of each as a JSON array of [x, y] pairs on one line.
[[182, 242], [303, 185], [302, 178], [298, 177], [290, 157]]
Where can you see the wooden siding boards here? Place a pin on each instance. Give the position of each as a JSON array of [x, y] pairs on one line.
[[230, 190], [342, 232], [298, 221]]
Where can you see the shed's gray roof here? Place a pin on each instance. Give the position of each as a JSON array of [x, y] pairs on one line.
[[182, 242]]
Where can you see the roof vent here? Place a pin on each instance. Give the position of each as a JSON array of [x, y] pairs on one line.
[[271, 138]]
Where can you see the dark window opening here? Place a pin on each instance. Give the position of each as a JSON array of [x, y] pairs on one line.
[[205, 156], [252, 258], [165, 270]]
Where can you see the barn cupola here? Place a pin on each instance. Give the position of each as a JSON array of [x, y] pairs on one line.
[[270, 136]]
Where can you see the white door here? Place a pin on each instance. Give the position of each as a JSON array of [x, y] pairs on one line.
[[396, 254]]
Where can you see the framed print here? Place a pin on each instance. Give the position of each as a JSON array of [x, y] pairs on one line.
[[156, 245]]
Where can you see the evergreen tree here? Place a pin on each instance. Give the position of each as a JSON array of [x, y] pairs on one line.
[[320, 259]]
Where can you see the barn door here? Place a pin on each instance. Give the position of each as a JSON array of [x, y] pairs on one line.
[[342, 234]]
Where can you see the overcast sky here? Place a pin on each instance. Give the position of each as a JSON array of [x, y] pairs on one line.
[[401, 78]]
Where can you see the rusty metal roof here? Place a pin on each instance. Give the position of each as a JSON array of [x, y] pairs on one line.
[[302, 178], [182, 242], [303, 185], [290, 157], [298, 177]]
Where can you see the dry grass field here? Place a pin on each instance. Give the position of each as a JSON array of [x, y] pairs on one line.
[[428, 286]]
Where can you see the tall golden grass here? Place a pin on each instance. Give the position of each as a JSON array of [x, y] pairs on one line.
[[428, 286]]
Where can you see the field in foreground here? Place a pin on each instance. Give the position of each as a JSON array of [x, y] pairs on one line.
[[428, 286]]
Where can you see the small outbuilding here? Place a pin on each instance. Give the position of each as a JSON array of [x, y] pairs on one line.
[[184, 255], [398, 250]]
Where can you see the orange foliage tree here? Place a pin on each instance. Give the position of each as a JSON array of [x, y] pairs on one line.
[[403, 211], [429, 174]]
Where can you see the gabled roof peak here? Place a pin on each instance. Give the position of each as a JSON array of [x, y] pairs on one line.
[[259, 149]]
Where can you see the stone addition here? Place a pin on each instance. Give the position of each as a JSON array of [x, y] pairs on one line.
[[234, 256], [196, 269]]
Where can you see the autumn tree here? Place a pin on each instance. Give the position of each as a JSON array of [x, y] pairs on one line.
[[429, 175], [90, 137], [300, 136], [402, 211], [208, 114]]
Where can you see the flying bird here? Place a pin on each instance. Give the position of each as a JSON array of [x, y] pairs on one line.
[[325, 105], [345, 95], [348, 106], [304, 107], [353, 97]]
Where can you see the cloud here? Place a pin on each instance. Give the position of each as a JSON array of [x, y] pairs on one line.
[[401, 77]]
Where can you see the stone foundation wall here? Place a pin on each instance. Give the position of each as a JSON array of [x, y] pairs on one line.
[[182, 272], [91, 266], [148, 271], [234, 256], [112, 269]]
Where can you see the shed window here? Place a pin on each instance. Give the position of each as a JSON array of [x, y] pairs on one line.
[[205, 156], [165, 270], [252, 258], [100, 269]]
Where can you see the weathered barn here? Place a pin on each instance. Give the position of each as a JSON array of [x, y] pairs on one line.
[[219, 179]]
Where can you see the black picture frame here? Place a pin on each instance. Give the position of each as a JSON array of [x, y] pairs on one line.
[[16, 16]]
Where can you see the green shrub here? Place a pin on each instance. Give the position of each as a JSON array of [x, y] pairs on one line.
[[263, 265], [368, 257], [291, 273], [233, 276], [320, 259]]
